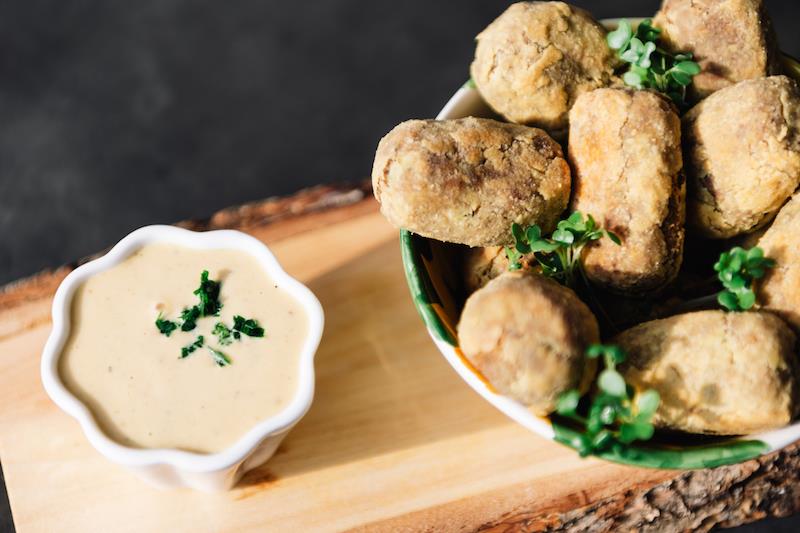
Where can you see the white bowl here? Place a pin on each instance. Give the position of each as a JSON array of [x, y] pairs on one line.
[[172, 468], [421, 267]]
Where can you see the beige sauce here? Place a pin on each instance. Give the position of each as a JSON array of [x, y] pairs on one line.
[[131, 376]]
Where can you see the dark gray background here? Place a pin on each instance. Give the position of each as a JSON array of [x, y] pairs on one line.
[[115, 114]]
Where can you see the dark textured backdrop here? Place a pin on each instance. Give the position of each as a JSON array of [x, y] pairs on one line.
[[116, 114]]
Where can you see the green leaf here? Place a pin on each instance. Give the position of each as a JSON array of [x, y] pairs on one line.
[[636, 46], [736, 282], [567, 403], [630, 56], [591, 223], [563, 236], [680, 78], [513, 258], [722, 263], [746, 299], [647, 32], [611, 382], [644, 58], [619, 38], [736, 270], [520, 240], [576, 219], [633, 79], [688, 67], [595, 350], [615, 354], [728, 300], [533, 233], [647, 402], [544, 246], [735, 261], [614, 238]]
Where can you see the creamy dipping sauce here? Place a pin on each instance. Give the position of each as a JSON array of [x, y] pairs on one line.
[[131, 376]]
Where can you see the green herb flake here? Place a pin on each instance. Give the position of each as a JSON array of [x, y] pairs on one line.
[[649, 65], [208, 292], [247, 326], [189, 318], [611, 417], [219, 358], [165, 327], [737, 269], [224, 334], [187, 350]]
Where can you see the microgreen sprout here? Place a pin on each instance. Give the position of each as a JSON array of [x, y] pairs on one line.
[[650, 66], [613, 417], [736, 270], [560, 254]]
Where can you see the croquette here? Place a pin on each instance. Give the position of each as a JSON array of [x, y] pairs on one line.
[[534, 60], [481, 265], [732, 40], [742, 151], [625, 151], [779, 290], [527, 335], [716, 372], [467, 180]]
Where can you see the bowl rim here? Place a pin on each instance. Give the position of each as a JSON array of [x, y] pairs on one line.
[[728, 450], [184, 460]]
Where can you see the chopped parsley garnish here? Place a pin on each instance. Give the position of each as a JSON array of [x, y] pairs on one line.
[[198, 343], [220, 358], [209, 305], [189, 318], [247, 326], [223, 333], [208, 292], [166, 327]]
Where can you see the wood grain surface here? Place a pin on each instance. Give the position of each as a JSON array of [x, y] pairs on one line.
[[394, 441]]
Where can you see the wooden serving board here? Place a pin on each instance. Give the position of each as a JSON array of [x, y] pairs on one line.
[[394, 441]]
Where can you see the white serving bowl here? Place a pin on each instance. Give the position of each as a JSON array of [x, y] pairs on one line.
[[172, 468], [425, 271]]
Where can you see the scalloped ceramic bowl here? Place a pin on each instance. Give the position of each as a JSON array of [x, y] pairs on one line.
[[171, 468], [427, 271]]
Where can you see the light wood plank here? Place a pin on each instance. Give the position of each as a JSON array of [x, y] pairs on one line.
[[394, 440]]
